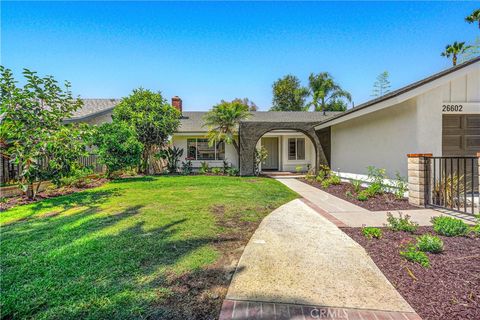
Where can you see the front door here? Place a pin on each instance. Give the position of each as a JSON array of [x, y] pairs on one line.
[[271, 145]]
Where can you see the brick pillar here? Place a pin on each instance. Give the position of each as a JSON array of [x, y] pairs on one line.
[[417, 178]]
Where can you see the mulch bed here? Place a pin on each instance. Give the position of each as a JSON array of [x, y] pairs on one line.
[[449, 289], [20, 200], [384, 202]]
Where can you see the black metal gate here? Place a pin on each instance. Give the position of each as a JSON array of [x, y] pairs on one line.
[[453, 183]]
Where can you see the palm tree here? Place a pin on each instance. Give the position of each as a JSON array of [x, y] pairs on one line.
[[222, 122], [474, 17], [325, 92], [454, 50]]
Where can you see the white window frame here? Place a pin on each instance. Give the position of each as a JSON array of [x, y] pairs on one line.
[[196, 148], [296, 149]]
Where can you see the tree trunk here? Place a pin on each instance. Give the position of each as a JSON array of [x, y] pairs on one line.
[[454, 60], [29, 192]]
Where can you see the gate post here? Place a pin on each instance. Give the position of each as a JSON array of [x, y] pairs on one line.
[[418, 175]]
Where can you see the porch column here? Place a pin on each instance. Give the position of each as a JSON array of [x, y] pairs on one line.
[[418, 173]]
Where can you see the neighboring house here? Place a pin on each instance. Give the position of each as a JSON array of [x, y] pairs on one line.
[[439, 114]]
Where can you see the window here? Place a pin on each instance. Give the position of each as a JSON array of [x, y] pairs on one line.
[[296, 149], [198, 149]]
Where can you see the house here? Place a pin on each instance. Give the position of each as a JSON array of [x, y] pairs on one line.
[[439, 114]]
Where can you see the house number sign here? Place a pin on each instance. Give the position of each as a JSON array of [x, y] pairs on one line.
[[461, 107]]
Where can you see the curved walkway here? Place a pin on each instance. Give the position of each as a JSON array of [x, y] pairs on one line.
[[297, 260]]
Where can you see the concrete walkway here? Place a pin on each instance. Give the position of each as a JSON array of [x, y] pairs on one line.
[[354, 216], [297, 257]]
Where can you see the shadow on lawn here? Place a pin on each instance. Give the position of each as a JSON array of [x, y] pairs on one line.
[[94, 264]]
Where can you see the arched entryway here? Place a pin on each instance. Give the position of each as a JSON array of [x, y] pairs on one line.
[[250, 132]]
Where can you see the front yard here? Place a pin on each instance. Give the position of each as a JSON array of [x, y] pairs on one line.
[[152, 247]]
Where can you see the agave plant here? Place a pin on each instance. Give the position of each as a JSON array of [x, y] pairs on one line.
[[442, 191]]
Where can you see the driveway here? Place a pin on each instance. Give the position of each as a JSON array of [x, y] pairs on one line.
[[298, 260]]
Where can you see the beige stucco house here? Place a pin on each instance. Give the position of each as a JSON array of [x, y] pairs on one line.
[[439, 115]]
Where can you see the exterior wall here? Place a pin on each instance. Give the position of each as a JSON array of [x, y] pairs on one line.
[[180, 141], [382, 138], [290, 165]]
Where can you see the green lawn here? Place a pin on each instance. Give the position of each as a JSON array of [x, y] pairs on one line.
[[108, 252]]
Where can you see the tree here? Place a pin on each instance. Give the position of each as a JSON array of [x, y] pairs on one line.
[[474, 17], [222, 122], [326, 94], [454, 50], [289, 95], [250, 104], [37, 140], [381, 85], [153, 119], [118, 146]]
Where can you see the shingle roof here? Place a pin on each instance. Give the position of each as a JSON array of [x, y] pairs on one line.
[[95, 106], [193, 121]]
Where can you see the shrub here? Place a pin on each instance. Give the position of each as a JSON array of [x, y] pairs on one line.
[[402, 223], [356, 184], [204, 168], [374, 189], [216, 170], [334, 179], [187, 167], [411, 253], [371, 232], [118, 146], [225, 167], [78, 178], [400, 186], [476, 228], [323, 173], [450, 227], [299, 169], [430, 243], [310, 176], [172, 156], [232, 172], [348, 194], [377, 177], [325, 183], [363, 195]]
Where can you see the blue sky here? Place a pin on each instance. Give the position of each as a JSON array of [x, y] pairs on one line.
[[208, 51]]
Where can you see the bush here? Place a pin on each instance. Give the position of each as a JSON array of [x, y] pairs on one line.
[[349, 194], [476, 228], [363, 195], [334, 179], [371, 232], [225, 167], [401, 186], [377, 177], [430, 243], [204, 168], [187, 167], [78, 178], [299, 169], [323, 173], [118, 146], [233, 172], [450, 227], [374, 189], [411, 253], [172, 156], [356, 184], [216, 170], [402, 223]]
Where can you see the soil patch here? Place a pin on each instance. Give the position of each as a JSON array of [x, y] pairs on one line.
[[51, 193], [383, 202], [449, 289], [200, 294]]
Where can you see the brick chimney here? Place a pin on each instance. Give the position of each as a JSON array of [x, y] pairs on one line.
[[177, 103]]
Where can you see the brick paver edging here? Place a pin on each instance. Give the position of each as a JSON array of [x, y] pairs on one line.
[[324, 213], [239, 309]]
